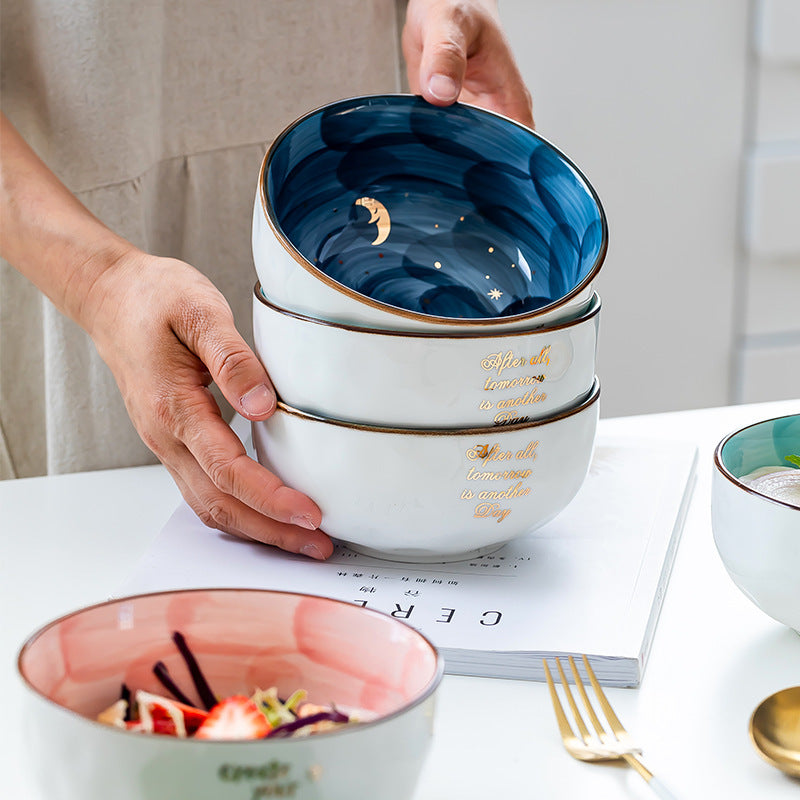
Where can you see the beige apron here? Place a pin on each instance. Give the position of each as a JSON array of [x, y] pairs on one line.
[[156, 113]]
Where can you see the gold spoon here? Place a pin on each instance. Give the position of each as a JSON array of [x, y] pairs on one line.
[[775, 730]]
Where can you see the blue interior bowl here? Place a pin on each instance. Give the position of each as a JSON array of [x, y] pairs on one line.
[[453, 212]]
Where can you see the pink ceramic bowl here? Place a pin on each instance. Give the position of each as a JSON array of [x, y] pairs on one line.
[[242, 639]]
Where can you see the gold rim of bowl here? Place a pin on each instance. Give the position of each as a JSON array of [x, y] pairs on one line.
[[303, 262], [591, 311]]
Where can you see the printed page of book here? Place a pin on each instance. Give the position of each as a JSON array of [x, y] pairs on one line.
[[590, 581]]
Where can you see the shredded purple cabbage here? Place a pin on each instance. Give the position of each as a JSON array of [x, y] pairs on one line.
[[288, 728]]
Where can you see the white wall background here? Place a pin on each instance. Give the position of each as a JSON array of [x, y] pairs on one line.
[[657, 102]]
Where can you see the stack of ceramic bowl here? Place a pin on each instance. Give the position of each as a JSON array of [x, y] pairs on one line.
[[425, 310]]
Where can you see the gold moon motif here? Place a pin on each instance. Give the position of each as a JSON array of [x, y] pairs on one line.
[[378, 214]]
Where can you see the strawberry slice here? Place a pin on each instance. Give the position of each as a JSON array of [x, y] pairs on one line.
[[235, 717]]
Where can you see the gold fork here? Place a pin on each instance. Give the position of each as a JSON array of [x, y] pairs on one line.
[[603, 746]]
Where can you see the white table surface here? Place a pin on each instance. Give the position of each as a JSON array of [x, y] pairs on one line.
[[70, 540]]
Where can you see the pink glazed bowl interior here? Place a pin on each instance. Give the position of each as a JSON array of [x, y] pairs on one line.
[[242, 639]]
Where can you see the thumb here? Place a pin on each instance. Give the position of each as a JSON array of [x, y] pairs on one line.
[[233, 366], [244, 381], [444, 60]]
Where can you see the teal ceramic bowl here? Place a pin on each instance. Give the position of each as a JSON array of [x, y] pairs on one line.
[[756, 527]]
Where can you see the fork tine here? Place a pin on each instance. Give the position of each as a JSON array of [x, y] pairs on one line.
[[584, 731], [621, 734], [612, 718], [561, 718], [579, 685]]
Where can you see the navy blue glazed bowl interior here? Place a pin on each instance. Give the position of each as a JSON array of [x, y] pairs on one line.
[[452, 212]]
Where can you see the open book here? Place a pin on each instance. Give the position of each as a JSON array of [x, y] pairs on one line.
[[590, 581]]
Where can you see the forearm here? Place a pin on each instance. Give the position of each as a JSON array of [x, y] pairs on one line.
[[47, 234]]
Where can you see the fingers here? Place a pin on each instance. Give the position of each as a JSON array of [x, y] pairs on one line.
[[233, 366], [222, 457], [238, 495], [227, 489], [189, 420], [458, 50], [222, 512], [443, 61], [511, 100], [435, 46]]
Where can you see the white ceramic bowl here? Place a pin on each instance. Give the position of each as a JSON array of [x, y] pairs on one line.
[[388, 212], [425, 380], [758, 537], [242, 640], [431, 495]]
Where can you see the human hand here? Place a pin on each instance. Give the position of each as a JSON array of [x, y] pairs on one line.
[[457, 50], [166, 333]]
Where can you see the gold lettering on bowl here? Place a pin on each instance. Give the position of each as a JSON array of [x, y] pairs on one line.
[[509, 418], [527, 452], [491, 385], [491, 510], [499, 362], [543, 357], [484, 452], [475, 474], [502, 361], [530, 397], [509, 493]]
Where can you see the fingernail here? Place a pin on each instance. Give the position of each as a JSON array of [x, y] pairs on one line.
[[304, 521], [258, 401], [312, 551], [443, 87]]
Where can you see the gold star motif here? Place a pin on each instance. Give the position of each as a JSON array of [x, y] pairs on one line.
[[495, 294]]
